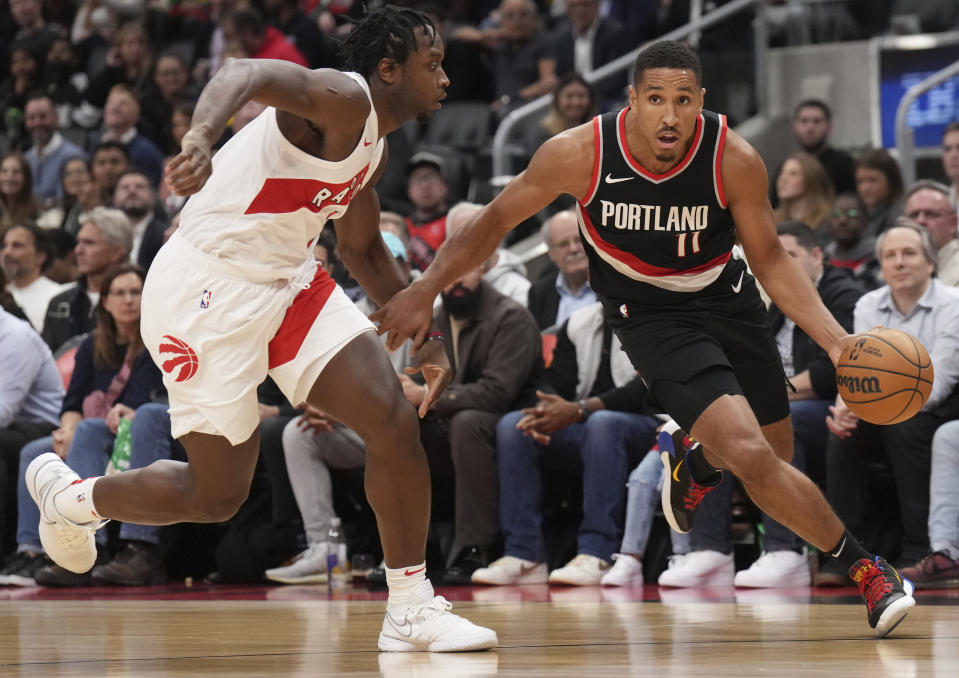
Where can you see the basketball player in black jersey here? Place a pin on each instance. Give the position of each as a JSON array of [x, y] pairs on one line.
[[664, 190]]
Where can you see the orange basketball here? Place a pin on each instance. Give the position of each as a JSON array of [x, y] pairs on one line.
[[884, 375]]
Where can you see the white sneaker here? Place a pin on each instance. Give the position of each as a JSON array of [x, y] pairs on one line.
[[776, 569], [583, 570], [626, 571], [509, 570], [70, 545], [308, 567], [425, 624], [699, 568]]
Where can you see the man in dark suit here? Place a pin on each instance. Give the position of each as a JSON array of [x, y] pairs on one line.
[[554, 297], [135, 197], [586, 41]]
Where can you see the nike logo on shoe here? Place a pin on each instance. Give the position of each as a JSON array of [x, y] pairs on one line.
[[611, 180], [739, 285], [410, 574], [405, 629], [676, 470]]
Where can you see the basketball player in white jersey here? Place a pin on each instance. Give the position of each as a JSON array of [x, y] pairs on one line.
[[664, 189], [236, 295]]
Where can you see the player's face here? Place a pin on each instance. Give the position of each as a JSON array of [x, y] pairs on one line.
[[790, 184], [667, 102], [950, 156], [810, 127], [848, 221], [905, 267], [424, 79], [932, 209], [122, 300], [811, 262], [872, 186]]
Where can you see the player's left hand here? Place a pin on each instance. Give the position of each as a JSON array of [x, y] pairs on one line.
[[188, 171], [409, 313], [432, 362]]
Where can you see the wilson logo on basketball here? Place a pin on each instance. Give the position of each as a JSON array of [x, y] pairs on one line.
[[859, 384], [183, 358]]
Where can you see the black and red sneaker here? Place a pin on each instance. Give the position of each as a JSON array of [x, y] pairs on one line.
[[888, 596], [681, 493]]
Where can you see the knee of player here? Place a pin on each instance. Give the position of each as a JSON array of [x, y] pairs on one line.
[[749, 458], [394, 422], [219, 507]]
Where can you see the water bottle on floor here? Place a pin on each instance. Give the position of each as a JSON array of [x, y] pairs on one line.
[[336, 561]]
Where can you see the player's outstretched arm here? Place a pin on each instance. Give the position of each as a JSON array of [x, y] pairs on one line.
[[324, 97], [745, 180], [561, 165]]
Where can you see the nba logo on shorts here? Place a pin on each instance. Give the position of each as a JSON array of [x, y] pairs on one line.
[[206, 298], [623, 310]]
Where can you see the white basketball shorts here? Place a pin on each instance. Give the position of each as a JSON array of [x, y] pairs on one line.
[[216, 336]]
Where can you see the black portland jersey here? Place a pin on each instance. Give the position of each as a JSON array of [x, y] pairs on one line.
[[645, 233]]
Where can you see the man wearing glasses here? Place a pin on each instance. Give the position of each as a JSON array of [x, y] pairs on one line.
[[553, 298]]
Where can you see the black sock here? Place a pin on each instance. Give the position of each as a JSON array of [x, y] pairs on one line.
[[701, 470], [848, 550]]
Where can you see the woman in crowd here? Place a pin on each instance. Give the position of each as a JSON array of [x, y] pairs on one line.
[[574, 103], [879, 184], [113, 375], [805, 192], [129, 62], [17, 202]]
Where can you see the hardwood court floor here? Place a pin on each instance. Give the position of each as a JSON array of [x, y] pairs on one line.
[[297, 631]]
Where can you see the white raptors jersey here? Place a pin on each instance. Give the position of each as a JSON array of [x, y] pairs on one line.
[[266, 200]]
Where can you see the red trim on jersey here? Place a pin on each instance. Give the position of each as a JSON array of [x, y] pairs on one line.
[[597, 161], [719, 161], [299, 318], [690, 154], [638, 264], [281, 196]]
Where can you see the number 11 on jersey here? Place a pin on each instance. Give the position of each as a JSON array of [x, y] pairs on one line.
[[681, 244]]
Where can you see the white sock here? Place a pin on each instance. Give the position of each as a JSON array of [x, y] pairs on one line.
[[402, 580], [76, 502]]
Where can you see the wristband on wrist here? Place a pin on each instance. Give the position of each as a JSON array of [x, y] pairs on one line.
[[435, 336]]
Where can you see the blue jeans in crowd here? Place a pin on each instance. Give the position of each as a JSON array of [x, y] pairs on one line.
[[89, 452], [604, 449]]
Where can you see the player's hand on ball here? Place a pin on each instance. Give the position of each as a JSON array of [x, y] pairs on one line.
[[432, 362], [188, 171]]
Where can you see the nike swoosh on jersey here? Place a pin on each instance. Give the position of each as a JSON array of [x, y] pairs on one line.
[[739, 285], [366, 143], [611, 180]]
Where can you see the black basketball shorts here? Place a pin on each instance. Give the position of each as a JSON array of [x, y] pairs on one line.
[[714, 343]]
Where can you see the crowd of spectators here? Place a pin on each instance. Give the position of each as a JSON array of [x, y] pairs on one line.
[[96, 98]]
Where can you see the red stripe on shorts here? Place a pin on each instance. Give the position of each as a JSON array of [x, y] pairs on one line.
[[299, 319]]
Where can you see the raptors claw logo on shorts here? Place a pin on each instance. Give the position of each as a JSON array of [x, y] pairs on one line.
[[184, 357]]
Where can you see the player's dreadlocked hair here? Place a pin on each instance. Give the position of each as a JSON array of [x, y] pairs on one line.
[[668, 54], [385, 33]]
